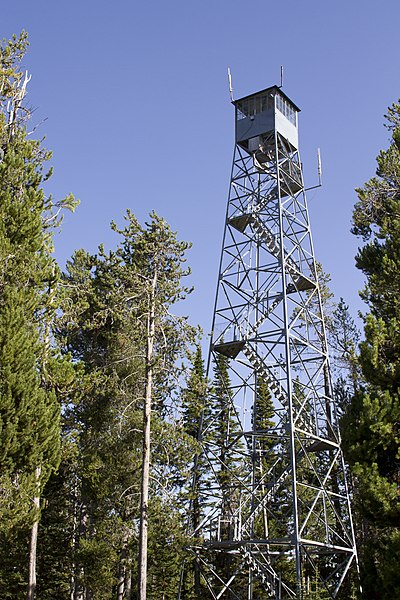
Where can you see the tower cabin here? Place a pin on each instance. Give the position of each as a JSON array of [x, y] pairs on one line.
[[262, 117]]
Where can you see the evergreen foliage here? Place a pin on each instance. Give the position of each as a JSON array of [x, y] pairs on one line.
[[264, 445], [224, 425], [344, 337], [194, 414], [88, 537], [29, 407], [194, 396], [371, 424], [104, 328]]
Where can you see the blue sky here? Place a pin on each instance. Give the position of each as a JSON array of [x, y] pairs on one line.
[[138, 113]]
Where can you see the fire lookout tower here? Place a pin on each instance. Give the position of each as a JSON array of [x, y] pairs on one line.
[[271, 517]]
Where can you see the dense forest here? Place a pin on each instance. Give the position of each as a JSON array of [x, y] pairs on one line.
[[103, 387]]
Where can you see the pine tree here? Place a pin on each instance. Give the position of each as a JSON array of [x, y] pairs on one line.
[[55, 552], [101, 420], [194, 396], [29, 409], [371, 424], [105, 329], [225, 425], [225, 459], [344, 337], [157, 257], [194, 399], [264, 444], [194, 414]]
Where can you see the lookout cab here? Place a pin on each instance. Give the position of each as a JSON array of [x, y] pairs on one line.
[[267, 121], [260, 115]]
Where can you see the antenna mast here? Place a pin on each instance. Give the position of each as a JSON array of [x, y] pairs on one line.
[[230, 84], [319, 167]]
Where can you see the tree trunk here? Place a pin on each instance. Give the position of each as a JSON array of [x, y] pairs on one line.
[[196, 521], [122, 564], [33, 541], [128, 582], [79, 590], [121, 581], [144, 499]]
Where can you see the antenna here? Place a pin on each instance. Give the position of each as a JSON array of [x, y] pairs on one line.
[[313, 187], [281, 76], [230, 84], [319, 166]]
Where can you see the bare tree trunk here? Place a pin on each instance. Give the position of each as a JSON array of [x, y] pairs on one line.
[[33, 541], [144, 499], [128, 582], [124, 583], [121, 581], [72, 579], [196, 522], [79, 590]]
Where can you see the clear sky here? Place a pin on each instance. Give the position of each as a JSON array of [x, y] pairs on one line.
[[138, 113]]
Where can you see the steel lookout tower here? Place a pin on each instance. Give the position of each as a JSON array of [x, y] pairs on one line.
[[271, 515]]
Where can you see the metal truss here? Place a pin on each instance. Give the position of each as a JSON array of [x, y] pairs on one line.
[[275, 516]]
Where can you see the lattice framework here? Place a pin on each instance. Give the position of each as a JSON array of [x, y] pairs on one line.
[[276, 515]]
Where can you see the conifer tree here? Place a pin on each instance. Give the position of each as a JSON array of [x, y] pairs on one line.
[[100, 424], [157, 257], [224, 424], [263, 423], [105, 328], [194, 415], [370, 426], [29, 409], [194, 399], [344, 337]]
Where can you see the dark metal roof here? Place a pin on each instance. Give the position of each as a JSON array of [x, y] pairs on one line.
[[273, 88]]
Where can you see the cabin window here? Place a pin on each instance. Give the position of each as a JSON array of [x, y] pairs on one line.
[[254, 105], [249, 107], [286, 108]]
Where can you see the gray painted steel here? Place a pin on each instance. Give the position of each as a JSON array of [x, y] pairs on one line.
[[272, 515]]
